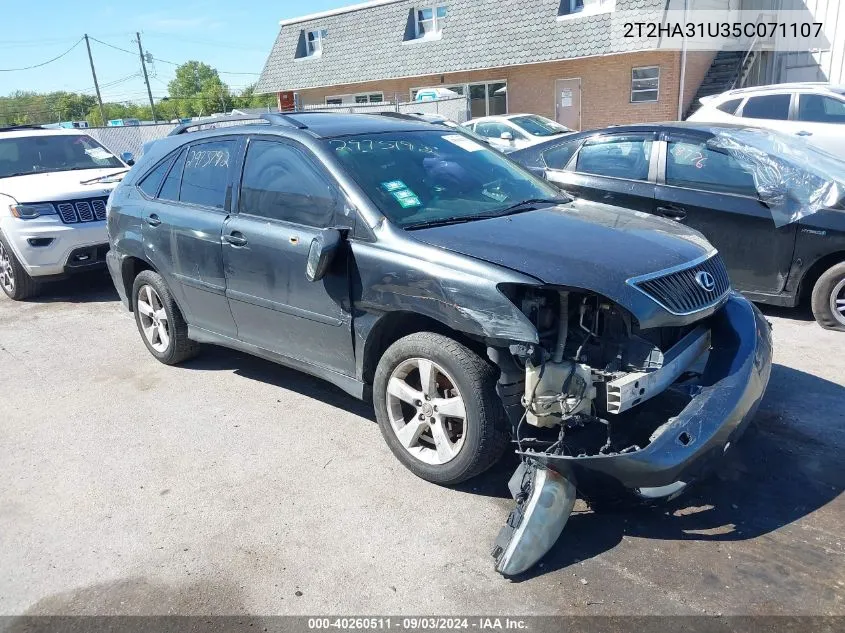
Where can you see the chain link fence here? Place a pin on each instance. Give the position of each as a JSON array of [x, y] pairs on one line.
[[132, 138]]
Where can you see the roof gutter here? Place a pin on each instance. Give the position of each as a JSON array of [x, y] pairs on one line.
[[341, 10]]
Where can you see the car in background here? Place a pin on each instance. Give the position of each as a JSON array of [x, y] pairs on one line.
[[511, 132], [771, 203], [53, 190], [814, 111]]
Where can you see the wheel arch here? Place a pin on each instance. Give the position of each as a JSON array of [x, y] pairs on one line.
[[395, 325], [130, 268], [816, 270]]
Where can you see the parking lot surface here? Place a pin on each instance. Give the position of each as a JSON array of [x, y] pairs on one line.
[[233, 485]]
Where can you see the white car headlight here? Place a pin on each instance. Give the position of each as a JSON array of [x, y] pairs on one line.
[[32, 211]]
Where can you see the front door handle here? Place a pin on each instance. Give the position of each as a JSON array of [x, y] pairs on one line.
[[673, 213], [153, 220], [803, 133], [236, 238]]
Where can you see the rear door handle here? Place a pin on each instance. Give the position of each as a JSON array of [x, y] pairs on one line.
[[236, 238], [153, 220], [803, 133], [673, 213]]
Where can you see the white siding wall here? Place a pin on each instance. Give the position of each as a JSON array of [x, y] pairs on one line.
[[826, 65]]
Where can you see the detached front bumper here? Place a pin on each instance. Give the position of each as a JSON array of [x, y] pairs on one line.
[[690, 445]]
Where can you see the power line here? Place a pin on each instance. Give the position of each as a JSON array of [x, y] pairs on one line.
[[165, 61], [49, 61]]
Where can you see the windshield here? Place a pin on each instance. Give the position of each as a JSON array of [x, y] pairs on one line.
[[23, 155], [539, 125], [793, 177], [430, 177]]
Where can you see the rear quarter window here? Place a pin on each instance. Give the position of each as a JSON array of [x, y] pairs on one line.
[[151, 183], [730, 106]]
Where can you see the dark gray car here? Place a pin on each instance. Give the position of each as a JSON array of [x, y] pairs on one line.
[[471, 302]]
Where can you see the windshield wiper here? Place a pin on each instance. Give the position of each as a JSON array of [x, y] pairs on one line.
[[519, 207], [106, 177]]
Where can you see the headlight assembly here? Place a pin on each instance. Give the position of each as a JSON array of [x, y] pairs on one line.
[[32, 211]]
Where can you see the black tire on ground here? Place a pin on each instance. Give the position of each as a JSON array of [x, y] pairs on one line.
[[24, 285], [486, 427], [180, 347], [822, 294]]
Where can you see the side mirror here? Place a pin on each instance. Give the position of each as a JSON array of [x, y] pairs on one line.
[[506, 136], [128, 158], [321, 254]]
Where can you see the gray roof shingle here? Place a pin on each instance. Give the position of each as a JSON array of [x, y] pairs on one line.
[[369, 45]]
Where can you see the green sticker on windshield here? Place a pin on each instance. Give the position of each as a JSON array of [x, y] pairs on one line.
[[407, 202], [393, 185]]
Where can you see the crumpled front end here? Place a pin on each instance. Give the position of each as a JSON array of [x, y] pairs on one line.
[[649, 412]]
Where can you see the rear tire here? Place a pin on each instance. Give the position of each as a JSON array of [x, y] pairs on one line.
[[14, 280], [828, 299], [439, 445], [160, 323]]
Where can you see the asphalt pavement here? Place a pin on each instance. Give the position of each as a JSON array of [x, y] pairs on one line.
[[232, 485]]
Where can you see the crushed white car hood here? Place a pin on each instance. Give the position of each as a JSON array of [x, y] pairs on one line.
[[60, 185]]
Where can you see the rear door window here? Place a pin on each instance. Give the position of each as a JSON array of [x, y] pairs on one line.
[[693, 165], [775, 107], [618, 157], [206, 173], [558, 157]]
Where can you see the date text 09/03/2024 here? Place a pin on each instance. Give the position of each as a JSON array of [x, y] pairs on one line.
[[418, 623]]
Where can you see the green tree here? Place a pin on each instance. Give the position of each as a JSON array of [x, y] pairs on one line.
[[198, 90]]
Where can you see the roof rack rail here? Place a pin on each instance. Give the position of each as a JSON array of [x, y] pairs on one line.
[[23, 126], [273, 118]]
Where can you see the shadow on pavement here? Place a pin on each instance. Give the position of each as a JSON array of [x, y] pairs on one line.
[[91, 287], [801, 313], [786, 466], [214, 358], [779, 472]]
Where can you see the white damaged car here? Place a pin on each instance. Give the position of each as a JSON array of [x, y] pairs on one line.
[[54, 185]]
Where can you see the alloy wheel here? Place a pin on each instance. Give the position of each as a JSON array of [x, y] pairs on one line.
[[426, 411], [7, 275], [837, 301], [153, 318]]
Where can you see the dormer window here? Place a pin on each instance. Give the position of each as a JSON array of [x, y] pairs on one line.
[[430, 21], [314, 43], [585, 7]]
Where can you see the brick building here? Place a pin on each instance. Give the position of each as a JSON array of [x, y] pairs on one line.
[[551, 57]]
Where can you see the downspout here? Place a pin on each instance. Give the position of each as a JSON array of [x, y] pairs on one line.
[[683, 73]]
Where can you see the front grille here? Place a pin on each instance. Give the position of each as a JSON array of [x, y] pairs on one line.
[[680, 292], [76, 211]]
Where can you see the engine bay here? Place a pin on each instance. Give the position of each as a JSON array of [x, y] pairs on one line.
[[596, 384]]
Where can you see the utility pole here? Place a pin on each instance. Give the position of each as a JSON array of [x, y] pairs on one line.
[[96, 85], [146, 78]]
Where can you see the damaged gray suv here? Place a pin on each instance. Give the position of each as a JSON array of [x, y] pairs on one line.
[[473, 303]]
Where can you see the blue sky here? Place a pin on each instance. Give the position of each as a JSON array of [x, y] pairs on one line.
[[227, 35]]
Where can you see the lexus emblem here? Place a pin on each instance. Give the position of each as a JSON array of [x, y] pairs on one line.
[[705, 280]]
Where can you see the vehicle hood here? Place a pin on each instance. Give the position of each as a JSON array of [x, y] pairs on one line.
[[58, 185], [581, 244]]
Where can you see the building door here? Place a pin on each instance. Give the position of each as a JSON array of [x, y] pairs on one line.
[[568, 103]]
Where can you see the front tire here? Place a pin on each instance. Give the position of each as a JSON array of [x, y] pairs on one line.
[[14, 280], [828, 300], [160, 323], [436, 404]]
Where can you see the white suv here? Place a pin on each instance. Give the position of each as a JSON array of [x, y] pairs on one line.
[[510, 132], [53, 190], [811, 110]]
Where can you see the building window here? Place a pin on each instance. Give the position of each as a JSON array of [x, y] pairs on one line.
[[645, 84], [314, 43], [430, 21], [356, 99], [585, 7]]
